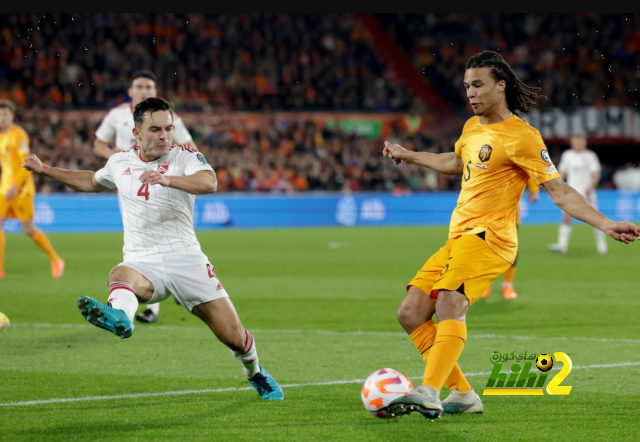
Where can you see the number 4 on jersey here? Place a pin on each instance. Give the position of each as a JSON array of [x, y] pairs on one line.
[[144, 191]]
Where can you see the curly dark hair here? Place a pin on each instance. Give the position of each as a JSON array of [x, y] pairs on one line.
[[520, 97]]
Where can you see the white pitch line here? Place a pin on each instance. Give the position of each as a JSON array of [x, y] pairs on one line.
[[337, 332], [223, 390]]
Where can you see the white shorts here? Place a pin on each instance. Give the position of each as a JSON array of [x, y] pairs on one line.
[[190, 277]]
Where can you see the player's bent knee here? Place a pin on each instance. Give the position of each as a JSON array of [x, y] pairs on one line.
[[122, 273], [408, 318], [452, 305]]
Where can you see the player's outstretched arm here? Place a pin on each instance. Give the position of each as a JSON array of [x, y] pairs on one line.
[[200, 183], [574, 204], [102, 149], [448, 163], [80, 180]]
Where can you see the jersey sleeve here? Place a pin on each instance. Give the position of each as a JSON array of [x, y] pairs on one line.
[[104, 176], [531, 155], [194, 162], [107, 130], [458, 147], [532, 187], [181, 135]]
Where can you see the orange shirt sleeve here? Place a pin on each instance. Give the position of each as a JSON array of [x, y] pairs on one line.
[[530, 154], [459, 147]]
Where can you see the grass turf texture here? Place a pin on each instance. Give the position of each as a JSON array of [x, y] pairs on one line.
[[321, 304]]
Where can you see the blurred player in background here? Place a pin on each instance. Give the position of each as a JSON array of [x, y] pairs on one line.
[[118, 126], [496, 154], [508, 292], [17, 189], [157, 183], [581, 169]]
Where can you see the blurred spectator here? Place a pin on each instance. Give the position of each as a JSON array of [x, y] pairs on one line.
[[627, 178], [243, 61], [56, 63], [587, 59]]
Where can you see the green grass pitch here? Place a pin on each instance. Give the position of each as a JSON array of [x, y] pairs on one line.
[[321, 304]]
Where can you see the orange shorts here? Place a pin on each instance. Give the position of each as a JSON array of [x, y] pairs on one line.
[[465, 264], [20, 208]]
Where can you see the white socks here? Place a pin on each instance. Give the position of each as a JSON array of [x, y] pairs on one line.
[[564, 232], [155, 308], [601, 241], [121, 297], [248, 357]]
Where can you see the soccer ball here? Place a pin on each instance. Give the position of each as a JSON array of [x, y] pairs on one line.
[[4, 321], [381, 387], [544, 362]]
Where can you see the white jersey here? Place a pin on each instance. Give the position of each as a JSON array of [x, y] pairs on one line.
[[156, 219], [579, 168], [118, 125]]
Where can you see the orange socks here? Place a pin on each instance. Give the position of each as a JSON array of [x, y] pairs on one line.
[[510, 274], [423, 338], [447, 348], [42, 241]]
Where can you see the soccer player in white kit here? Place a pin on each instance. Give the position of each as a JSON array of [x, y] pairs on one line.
[[157, 183], [580, 168], [118, 126]]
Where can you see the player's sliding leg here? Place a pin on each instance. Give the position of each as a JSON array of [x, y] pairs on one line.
[[117, 315], [127, 287], [221, 317]]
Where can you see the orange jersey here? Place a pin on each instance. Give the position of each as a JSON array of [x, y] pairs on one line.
[[14, 148], [532, 186], [498, 160]]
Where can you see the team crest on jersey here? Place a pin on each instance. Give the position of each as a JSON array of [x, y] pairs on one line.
[[545, 155], [163, 168], [485, 153]]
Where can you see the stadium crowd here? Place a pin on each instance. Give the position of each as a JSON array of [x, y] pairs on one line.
[[226, 63]]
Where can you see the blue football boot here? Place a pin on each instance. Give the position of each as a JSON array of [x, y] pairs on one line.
[[266, 386], [104, 316]]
